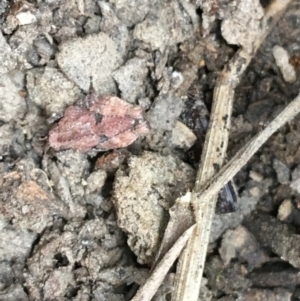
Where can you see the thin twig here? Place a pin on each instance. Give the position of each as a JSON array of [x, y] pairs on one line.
[[244, 155], [211, 188], [191, 263], [147, 291]]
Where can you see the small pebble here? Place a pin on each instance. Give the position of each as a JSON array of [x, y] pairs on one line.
[[257, 177], [182, 136], [26, 18], [282, 60], [176, 79], [282, 171], [285, 210], [295, 184]]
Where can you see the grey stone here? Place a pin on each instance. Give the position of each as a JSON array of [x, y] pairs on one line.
[[14, 293], [57, 283], [170, 26], [164, 112], [28, 202], [142, 196], [241, 22], [282, 171], [277, 294], [112, 26], [295, 184], [6, 275], [131, 12], [241, 244], [15, 244], [130, 79], [44, 49], [276, 236], [12, 104], [182, 136], [51, 90], [92, 25], [282, 58], [6, 139], [90, 60], [7, 60]]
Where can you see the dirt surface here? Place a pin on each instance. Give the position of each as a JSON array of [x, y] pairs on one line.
[[86, 225]]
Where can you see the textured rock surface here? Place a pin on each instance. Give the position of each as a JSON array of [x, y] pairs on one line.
[[273, 234], [89, 61], [155, 54], [241, 22], [130, 79], [164, 112], [12, 104], [51, 90], [143, 196], [8, 62]]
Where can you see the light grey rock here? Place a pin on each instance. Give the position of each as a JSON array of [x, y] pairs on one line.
[[22, 37], [74, 166], [171, 25], [12, 104], [51, 90], [176, 79], [90, 60], [145, 103], [288, 213], [6, 275], [130, 79], [15, 244], [143, 194], [182, 136], [96, 181], [26, 18], [112, 26], [164, 112], [281, 57], [7, 59], [14, 293], [101, 258], [285, 210], [21, 42], [153, 33], [131, 12], [44, 48], [6, 138], [93, 231], [100, 292], [92, 25], [3, 6], [275, 236], [295, 183], [57, 283], [29, 202], [241, 22], [65, 175], [240, 243], [43, 260], [282, 171]]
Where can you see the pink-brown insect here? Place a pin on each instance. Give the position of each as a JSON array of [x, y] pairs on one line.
[[103, 123]]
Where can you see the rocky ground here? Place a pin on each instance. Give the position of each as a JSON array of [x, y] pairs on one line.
[[83, 220]]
